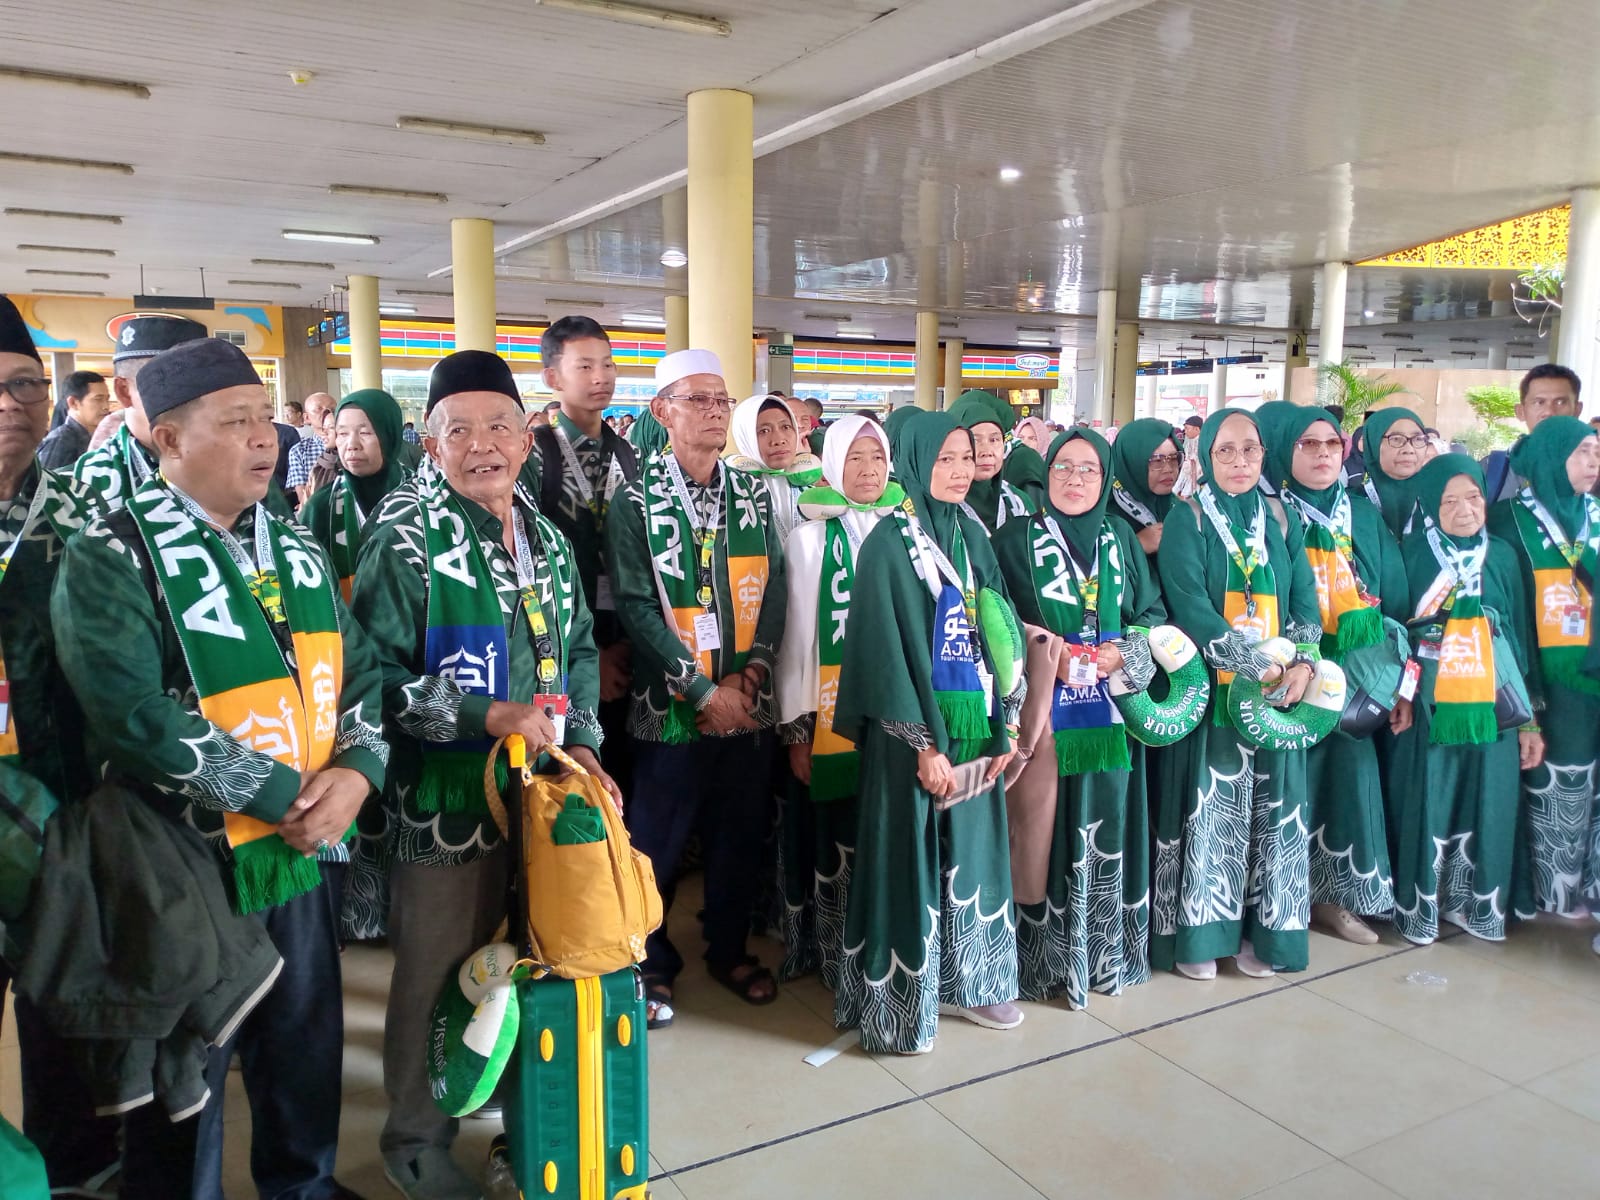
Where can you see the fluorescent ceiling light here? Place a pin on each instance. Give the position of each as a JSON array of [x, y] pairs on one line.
[[95, 250], [674, 258], [383, 193], [290, 262], [79, 164], [28, 75], [267, 283], [568, 302], [1034, 341], [1009, 174], [645, 320], [315, 235], [66, 274], [465, 129], [641, 14], [1368, 313], [55, 291], [858, 335], [422, 292], [52, 214], [815, 316], [397, 310]]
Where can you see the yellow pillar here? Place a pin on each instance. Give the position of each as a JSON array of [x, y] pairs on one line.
[[721, 232], [677, 323], [1125, 381], [472, 260], [927, 395], [954, 348], [366, 346]]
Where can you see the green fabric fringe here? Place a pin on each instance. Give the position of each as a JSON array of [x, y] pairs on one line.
[[1358, 627], [1463, 725], [679, 729], [965, 715], [1565, 666], [269, 871], [1081, 751], [452, 782], [964, 750], [835, 776]]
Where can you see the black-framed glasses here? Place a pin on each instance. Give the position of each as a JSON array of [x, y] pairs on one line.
[[1165, 460], [1250, 452], [705, 401], [26, 390], [1399, 441]]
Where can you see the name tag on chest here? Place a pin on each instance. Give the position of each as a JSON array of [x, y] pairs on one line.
[[707, 636]]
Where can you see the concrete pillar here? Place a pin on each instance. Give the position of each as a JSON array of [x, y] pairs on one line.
[[1151, 397], [303, 369], [1580, 290], [1294, 353], [1105, 354], [1219, 388], [472, 262], [721, 238], [1125, 379], [954, 349], [927, 394], [366, 343], [1497, 358], [1330, 342], [62, 364], [677, 312]]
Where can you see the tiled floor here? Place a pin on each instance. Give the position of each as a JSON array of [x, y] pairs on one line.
[[1463, 1070]]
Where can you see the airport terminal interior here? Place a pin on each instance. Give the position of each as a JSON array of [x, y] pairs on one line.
[[1095, 213]]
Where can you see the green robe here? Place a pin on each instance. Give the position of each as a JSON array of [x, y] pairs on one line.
[[45, 712], [118, 645], [1092, 931], [1230, 834], [661, 664], [391, 601], [1457, 851], [928, 919]]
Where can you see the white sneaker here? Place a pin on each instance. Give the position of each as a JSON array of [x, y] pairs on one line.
[[489, 1112], [986, 1016], [1198, 970], [1250, 965]]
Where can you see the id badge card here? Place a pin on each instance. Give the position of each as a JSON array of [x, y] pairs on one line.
[[986, 678], [555, 708], [603, 601], [1409, 679], [1574, 622], [8, 735], [1082, 667], [707, 636], [1428, 650]]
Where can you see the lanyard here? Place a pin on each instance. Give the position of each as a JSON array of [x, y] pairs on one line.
[[705, 535], [1465, 566], [1372, 494], [528, 588], [35, 507], [1086, 585], [1571, 551], [1258, 542], [1134, 507], [929, 550], [580, 478], [260, 572], [1339, 523]]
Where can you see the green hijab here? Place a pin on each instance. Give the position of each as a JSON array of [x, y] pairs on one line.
[[972, 410], [1282, 424], [389, 425], [915, 452], [1428, 491], [1082, 531], [1130, 461], [1395, 496], [896, 421], [1541, 459], [1240, 510], [647, 435]]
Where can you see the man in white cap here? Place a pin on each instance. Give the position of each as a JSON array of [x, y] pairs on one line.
[[699, 588]]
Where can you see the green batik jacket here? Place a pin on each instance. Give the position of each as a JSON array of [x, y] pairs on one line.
[[48, 719], [390, 599], [107, 475], [121, 653], [661, 664], [573, 516]]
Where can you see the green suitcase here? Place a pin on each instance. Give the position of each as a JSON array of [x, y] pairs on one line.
[[577, 1091]]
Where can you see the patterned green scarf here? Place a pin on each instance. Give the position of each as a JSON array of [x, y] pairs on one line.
[[835, 762]]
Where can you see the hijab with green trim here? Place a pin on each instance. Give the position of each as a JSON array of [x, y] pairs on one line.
[[827, 498], [1082, 531], [1395, 496], [1130, 461], [1541, 459]]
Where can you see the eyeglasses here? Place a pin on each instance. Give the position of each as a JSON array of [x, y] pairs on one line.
[[1315, 446], [1165, 460], [26, 391], [1399, 441], [1250, 452], [1082, 470], [705, 401]]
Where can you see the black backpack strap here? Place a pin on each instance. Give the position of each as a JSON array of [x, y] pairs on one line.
[[620, 446], [544, 440]]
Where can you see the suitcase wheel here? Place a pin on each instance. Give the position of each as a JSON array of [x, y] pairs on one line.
[[624, 1032], [547, 1045]]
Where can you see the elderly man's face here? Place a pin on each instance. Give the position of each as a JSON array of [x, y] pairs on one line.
[[695, 412], [24, 419], [479, 442]]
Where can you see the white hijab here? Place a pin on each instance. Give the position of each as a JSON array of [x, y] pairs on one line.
[[746, 416], [841, 435]]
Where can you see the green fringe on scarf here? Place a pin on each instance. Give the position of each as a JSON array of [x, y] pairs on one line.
[[269, 871], [1083, 751], [966, 716], [679, 729], [1358, 627], [1463, 725], [452, 782]]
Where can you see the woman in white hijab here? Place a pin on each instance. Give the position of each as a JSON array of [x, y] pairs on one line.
[[766, 443], [817, 834]]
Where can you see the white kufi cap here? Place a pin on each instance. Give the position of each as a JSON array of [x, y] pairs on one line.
[[681, 364]]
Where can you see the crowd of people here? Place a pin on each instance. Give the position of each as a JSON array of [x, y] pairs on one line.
[[968, 710]]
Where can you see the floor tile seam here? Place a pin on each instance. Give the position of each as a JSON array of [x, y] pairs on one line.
[[1562, 1105], [1589, 996], [1009, 1168]]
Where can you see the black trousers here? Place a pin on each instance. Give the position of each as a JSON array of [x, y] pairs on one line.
[[720, 787]]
